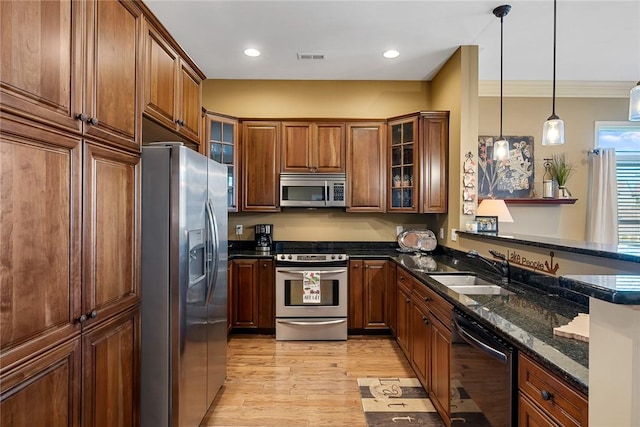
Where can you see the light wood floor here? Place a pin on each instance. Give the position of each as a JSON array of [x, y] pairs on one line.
[[301, 383]]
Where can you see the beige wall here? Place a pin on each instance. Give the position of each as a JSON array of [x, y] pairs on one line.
[[525, 116], [315, 99]]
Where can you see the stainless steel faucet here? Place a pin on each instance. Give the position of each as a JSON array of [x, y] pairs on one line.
[[503, 268]]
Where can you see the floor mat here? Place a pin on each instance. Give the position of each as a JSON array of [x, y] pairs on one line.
[[396, 402]]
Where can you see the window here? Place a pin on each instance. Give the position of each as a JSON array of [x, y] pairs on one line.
[[625, 138]]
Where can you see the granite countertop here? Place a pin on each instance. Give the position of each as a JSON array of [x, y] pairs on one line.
[[615, 288], [526, 318]]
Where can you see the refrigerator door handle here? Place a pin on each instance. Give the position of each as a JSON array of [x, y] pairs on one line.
[[213, 226]]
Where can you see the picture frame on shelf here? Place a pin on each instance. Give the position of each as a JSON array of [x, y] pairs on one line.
[[487, 224]]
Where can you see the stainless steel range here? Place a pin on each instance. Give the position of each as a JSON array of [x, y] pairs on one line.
[[311, 296]]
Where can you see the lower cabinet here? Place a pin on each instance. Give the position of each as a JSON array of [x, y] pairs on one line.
[[367, 297], [424, 336], [252, 294], [106, 395], [546, 400]]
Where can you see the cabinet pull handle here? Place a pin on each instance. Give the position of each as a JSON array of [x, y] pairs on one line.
[[82, 117], [546, 395], [82, 319], [92, 121], [93, 314]]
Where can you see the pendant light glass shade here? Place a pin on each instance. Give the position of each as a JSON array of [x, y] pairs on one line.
[[501, 150], [553, 129], [634, 103]]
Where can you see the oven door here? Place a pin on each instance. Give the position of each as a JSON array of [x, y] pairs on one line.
[[295, 298]]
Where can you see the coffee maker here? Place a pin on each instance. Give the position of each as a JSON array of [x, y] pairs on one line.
[[263, 237]]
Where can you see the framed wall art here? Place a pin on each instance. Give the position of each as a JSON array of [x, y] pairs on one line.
[[506, 179]]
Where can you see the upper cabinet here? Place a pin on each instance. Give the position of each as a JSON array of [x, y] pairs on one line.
[[172, 88], [418, 149], [260, 154], [403, 165], [366, 167], [434, 146], [78, 69], [222, 146], [313, 147]]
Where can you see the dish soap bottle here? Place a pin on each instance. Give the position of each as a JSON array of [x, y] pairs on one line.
[[547, 181]]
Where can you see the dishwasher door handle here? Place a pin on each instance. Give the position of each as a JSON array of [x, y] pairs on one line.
[[471, 339]]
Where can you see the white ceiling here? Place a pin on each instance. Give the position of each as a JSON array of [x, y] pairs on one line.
[[596, 41]]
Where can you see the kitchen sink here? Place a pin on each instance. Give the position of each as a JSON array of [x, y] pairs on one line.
[[480, 290], [469, 285]]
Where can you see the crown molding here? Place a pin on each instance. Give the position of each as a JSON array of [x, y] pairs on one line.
[[564, 89]]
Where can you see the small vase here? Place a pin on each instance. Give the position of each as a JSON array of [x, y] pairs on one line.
[[563, 193]]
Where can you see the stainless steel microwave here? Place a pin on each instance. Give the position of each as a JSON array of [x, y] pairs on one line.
[[312, 190]]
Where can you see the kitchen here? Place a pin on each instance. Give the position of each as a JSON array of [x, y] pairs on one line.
[[376, 100]]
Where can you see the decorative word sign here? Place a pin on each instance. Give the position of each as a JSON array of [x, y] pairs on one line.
[[546, 266]]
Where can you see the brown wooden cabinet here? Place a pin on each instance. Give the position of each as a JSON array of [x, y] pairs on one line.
[[546, 400], [110, 385], [45, 390], [260, 154], [367, 294], [222, 146], [366, 167], [68, 276], [111, 246], [403, 310], [77, 69], [424, 336], [418, 149], [172, 88], [391, 296], [313, 147], [253, 294]]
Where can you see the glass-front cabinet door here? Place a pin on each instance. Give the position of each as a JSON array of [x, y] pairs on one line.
[[222, 146], [403, 163]]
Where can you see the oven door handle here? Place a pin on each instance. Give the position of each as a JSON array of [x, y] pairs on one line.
[[468, 337], [324, 322], [319, 271]]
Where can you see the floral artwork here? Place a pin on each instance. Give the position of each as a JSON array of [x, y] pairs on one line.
[[505, 179]]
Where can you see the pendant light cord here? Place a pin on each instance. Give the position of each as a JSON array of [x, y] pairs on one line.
[[501, 55], [553, 102]]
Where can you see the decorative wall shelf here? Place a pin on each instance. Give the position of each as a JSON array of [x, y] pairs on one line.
[[531, 201]]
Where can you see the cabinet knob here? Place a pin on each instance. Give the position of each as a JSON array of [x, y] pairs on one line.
[[82, 319], [427, 299], [408, 301], [180, 122], [92, 121], [355, 266], [546, 395], [402, 278], [93, 314], [81, 117], [264, 265], [425, 320]]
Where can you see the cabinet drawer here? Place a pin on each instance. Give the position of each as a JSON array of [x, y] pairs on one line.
[[404, 280], [561, 402], [437, 305]]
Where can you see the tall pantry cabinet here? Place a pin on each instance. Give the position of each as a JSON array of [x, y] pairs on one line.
[[70, 212]]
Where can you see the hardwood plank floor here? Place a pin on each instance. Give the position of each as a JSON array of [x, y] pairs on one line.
[[301, 383]]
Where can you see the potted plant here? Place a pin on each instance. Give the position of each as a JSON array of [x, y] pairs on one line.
[[561, 170]]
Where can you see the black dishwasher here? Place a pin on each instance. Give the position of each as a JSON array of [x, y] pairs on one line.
[[482, 376]]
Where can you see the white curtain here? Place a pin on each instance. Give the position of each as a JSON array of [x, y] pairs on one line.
[[602, 205]]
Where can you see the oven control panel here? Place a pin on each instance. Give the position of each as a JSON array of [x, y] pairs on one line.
[[311, 257]]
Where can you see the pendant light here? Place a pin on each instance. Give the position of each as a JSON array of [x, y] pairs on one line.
[[634, 103], [553, 130], [501, 146]]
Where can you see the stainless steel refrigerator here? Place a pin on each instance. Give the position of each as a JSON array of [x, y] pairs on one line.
[[184, 284]]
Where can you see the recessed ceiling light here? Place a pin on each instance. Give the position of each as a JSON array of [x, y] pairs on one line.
[[252, 52], [391, 54]]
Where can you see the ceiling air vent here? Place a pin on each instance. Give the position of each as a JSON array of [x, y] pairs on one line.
[[310, 56]]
